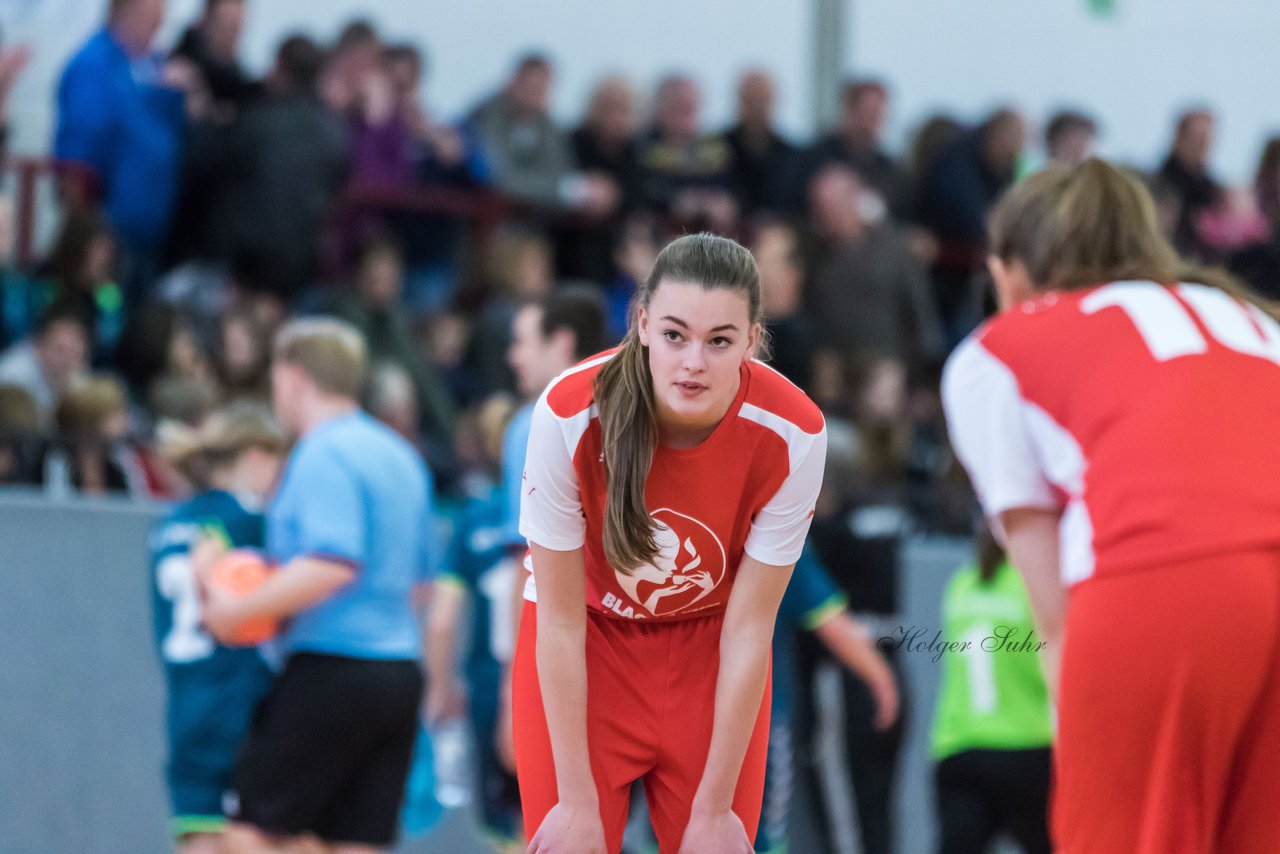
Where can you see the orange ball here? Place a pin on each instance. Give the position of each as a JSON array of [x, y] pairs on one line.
[[240, 572]]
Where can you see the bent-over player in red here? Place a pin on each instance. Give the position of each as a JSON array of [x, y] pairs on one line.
[[668, 490], [1118, 420]]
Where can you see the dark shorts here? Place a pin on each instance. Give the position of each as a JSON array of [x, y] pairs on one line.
[[984, 792], [210, 705], [498, 790], [329, 750]]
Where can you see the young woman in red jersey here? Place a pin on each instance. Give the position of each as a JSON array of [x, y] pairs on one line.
[[668, 490], [1117, 419]]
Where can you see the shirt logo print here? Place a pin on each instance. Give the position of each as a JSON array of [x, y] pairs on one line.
[[689, 566]]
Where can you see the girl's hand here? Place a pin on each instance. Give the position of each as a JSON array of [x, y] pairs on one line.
[[205, 553], [570, 830], [222, 614], [884, 692], [715, 833]]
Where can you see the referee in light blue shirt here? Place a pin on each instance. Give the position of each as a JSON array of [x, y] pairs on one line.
[[351, 532]]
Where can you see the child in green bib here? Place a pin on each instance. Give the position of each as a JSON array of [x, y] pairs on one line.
[[993, 727]]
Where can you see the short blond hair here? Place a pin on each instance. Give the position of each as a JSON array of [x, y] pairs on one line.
[[88, 402], [332, 353]]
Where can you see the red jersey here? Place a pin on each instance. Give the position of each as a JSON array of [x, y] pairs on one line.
[[749, 488], [1145, 413]]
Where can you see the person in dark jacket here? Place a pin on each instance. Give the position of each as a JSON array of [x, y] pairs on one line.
[[213, 46], [605, 147], [961, 185], [857, 142], [869, 294], [685, 173], [375, 310], [793, 338], [1186, 172], [761, 156], [288, 158]]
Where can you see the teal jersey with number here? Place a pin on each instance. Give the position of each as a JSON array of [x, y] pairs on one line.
[[993, 693]]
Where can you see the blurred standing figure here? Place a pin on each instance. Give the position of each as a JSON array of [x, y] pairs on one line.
[[761, 156], [1068, 138], [396, 145], [12, 61], [605, 143], [232, 461], [605, 146], [81, 278], [685, 173], [352, 533], [121, 113], [1185, 171], [857, 535], [1259, 264], [349, 65], [375, 309], [530, 155], [213, 46], [286, 160], [549, 336], [870, 294], [958, 190], [813, 605], [793, 339], [993, 727], [474, 573], [858, 142]]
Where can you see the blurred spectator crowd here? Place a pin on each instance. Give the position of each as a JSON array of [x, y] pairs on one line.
[[201, 206]]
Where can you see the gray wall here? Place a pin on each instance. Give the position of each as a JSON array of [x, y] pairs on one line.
[[81, 708]]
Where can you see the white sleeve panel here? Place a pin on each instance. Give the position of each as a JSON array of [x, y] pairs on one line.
[[778, 531], [550, 503], [990, 429]]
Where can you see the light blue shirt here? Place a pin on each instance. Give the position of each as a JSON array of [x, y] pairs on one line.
[[355, 492], [515, 444]]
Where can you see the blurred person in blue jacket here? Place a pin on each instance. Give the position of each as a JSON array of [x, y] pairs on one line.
[[122, 112]]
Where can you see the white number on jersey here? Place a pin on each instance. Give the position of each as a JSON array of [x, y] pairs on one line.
[[186, 641], [496, 585], [980, 669], [1168, 329]]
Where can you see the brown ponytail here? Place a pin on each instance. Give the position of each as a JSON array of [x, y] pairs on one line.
[[1089, 225], [625, 398]]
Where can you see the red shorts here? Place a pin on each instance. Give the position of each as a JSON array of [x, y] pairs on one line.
[[650, 700], [1169, 727]]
